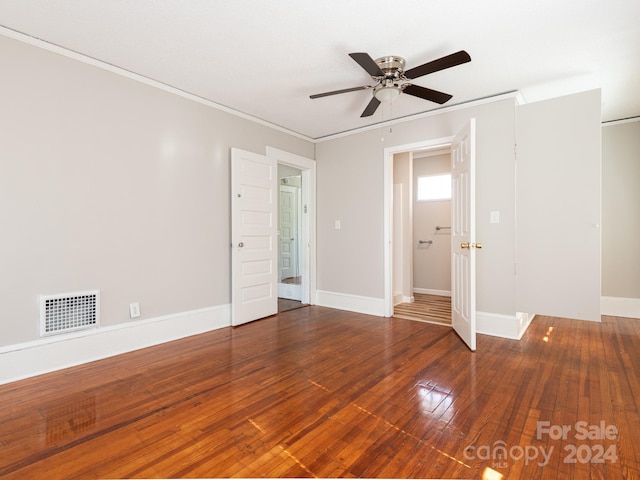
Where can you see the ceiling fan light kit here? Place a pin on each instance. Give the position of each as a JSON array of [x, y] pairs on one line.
[[392, 80], [386, 93]]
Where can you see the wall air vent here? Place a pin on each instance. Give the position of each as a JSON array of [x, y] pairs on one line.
[[69, 312]]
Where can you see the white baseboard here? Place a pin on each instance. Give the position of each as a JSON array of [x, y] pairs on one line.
[[430, 291], [620, 307], [351, 303], [398, 298], [505, 326], [497, 325], [290, 291], [55, 353]]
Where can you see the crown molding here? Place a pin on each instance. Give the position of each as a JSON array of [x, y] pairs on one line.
[[36, 42]]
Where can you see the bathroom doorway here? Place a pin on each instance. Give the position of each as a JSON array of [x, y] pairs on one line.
[[422, 234]]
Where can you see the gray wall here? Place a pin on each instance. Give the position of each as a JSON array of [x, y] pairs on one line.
[[431, 263], [558, 197], [107, 183], [558, 206], [350, 188], [621, 210]]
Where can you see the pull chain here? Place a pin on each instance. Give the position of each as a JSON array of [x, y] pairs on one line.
[[389, 116]]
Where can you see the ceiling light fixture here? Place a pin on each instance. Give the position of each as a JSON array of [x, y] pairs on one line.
[[387, 93]]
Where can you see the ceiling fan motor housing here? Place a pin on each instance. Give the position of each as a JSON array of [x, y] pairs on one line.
[[387, 89], [392, 66]]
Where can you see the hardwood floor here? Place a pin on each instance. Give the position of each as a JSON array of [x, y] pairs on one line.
[[317, 392], [425, 308], [284, 304]]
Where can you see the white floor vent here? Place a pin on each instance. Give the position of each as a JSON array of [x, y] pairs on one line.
[[68, 312]]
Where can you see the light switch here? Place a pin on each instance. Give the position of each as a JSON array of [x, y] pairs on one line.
[[337, 225], [494, 216]]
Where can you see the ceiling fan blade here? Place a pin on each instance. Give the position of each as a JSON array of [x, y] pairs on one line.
[[427, 93], [366, 62], [336, 92], [449, 61], [371, 108]]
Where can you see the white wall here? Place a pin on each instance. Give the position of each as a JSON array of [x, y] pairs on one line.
[[621, 210], [558, 206], [111, 184], [431, 262]]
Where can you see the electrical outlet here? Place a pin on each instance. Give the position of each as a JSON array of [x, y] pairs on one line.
[[134, 310]]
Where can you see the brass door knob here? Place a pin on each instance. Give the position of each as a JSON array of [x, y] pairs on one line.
[[465, 245]]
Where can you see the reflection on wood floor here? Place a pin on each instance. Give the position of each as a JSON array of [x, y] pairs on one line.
[[284, 305], [426, 308]]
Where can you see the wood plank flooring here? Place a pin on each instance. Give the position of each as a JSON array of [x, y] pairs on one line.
[[284, 304], [425, 308], [316, 392]]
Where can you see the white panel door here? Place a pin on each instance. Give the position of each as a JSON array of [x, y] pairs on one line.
[[288, 219], [254, 272], [463, 246]]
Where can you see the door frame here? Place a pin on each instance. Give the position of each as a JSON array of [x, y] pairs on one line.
[[389, 152], [307, 253]]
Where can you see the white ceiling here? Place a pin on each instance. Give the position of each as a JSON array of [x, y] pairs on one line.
[[265, 57]]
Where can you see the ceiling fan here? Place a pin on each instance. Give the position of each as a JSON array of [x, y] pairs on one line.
[[392, 80]]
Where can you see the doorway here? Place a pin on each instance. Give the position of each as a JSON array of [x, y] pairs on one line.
[[463, 241], [254, 239], [296, 230], [289, 238], [398, 218], [422, 234], [428, 202]]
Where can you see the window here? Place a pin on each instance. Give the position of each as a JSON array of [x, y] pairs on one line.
[[434, 187]]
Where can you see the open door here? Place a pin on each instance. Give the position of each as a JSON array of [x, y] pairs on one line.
[[463, 235], [254, 257], [289, 235], [288, 219]]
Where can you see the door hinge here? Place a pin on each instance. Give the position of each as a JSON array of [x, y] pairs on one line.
[[305, 209]]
